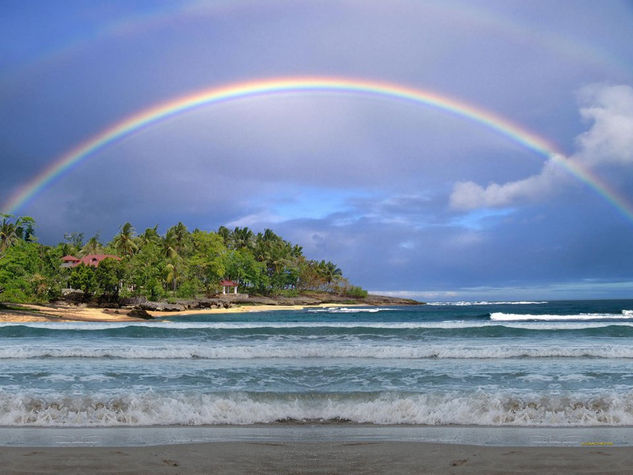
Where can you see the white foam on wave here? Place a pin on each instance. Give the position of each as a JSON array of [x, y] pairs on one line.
[[55, 378], [478, 408], [347, 310], [505, 317], [301, 349], [465, 303]]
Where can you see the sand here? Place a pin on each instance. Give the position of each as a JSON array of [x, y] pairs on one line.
[[321, 457], [49, 313], [70, 313]]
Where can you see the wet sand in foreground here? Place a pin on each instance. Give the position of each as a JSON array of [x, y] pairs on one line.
[[321, 457]]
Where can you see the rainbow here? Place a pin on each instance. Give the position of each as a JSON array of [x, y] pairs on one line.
[[238, 91]]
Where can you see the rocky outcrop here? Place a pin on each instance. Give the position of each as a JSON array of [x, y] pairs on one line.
[[385, 300], [138, 313], [227, 301], [180, 305]]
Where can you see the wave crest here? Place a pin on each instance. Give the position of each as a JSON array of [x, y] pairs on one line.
[[497, 409], [516, 317]]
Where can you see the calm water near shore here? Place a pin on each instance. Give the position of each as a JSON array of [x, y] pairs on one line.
[[528, 364]]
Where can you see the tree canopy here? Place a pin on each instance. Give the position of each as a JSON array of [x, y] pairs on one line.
[[179, 264]]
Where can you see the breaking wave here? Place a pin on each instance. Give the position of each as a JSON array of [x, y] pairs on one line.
[[347, 310], [478, 408], [516, 317]]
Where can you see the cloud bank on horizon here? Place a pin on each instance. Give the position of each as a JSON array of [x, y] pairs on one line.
[[404, 198]]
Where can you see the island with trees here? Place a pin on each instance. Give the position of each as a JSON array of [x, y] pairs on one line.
[[178, 270]]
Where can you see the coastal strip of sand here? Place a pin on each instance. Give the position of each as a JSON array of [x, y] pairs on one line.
[[317, 457], [73, 313]]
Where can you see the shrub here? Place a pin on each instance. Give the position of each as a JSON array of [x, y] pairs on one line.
[[356, 292]]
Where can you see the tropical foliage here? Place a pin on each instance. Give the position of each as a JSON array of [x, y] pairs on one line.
[[178, 264]]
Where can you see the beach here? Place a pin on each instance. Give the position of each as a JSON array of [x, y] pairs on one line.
[[291, 448], [84, 313], [321, 457]]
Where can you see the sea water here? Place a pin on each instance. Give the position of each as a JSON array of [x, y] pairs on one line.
[[508, 364]]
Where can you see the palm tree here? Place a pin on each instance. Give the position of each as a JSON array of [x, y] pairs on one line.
[[124, 241], [75, 242], [8, 233], [174, 270], [24, 228], [331, 273], [243, 238], [150, 236], [171, 275], [225, 234], [93, 246], [176, 240]]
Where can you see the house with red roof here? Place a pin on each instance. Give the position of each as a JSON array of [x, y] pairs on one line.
[[90, 260]]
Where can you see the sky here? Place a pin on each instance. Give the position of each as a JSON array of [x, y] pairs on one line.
[[407, 199]]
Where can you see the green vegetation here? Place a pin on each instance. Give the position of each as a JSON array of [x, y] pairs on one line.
[[179, 264]]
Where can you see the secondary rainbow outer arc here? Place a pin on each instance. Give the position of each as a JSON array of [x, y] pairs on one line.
[[244, 90]]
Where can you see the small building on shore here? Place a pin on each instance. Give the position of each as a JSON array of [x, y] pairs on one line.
[[90, 260], [229, 287]]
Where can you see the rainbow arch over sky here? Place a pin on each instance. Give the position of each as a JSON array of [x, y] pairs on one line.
[[301, 85]]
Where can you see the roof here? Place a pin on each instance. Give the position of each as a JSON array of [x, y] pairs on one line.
[[228, 283], [95, 259], [90, 259]]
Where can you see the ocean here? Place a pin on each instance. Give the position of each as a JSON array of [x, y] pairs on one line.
[[506, 364]]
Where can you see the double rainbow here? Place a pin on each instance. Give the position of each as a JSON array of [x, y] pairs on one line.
[[161, 112]]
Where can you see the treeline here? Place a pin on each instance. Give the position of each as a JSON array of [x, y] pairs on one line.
[[178, 264]]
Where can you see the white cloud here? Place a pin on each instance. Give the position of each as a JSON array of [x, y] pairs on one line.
[[469, 195], [609, 141], [255, 219]]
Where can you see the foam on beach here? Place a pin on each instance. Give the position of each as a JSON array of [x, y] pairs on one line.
[[478, 408]]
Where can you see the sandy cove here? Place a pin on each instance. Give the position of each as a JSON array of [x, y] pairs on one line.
[[73, 313]]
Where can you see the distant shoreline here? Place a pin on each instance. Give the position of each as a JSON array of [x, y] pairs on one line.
[[66, 312]]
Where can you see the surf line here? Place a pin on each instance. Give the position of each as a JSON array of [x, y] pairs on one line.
[[244, 90]]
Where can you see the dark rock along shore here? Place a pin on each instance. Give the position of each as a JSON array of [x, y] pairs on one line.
[[228, 301], [138, 307]]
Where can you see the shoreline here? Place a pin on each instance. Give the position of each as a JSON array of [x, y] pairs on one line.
[[23, 313], [162, 435], [63, 311]]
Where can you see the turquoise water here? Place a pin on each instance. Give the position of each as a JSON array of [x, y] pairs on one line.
[[491, 364]]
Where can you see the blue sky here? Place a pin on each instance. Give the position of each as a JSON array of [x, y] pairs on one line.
[[405, 199]]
